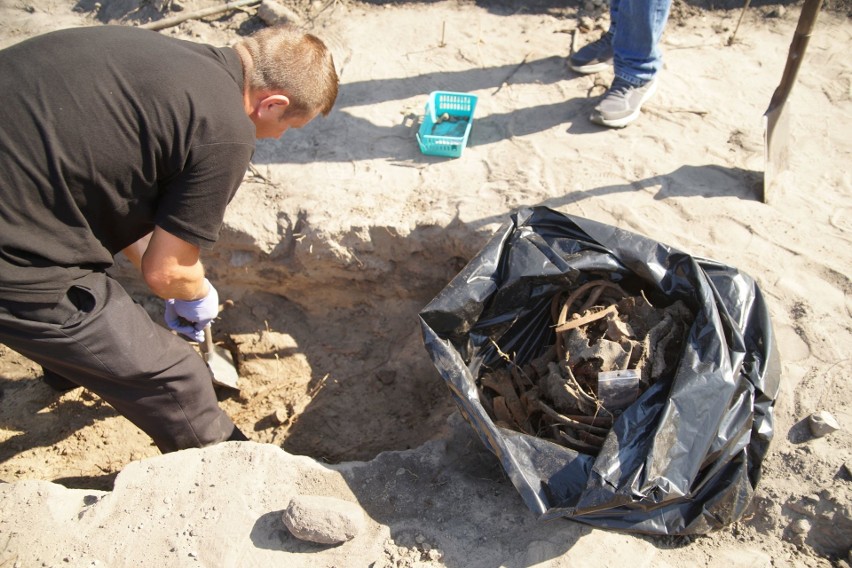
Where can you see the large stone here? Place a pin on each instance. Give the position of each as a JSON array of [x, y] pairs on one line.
[[324, 520]]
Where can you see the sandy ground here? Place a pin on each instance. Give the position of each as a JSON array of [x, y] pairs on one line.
[[358, 231]]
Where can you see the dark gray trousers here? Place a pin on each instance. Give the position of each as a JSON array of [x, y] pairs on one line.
[[98, 338]]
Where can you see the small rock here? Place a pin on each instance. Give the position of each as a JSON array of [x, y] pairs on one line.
[[281, 416], [324, 520], [273, 13], [822, 423], [800, 526], [386, 376]]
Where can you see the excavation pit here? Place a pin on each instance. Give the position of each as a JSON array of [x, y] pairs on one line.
[[329, 352]]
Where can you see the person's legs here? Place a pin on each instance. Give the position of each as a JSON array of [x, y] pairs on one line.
[[598, 55], [100, 339], [593, 57], [622, 103], [636, 59], [636, 53]]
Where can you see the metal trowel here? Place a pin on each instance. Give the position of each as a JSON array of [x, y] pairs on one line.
[[220, 361]]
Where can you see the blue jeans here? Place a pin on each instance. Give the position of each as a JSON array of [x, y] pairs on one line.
[[636, 27]]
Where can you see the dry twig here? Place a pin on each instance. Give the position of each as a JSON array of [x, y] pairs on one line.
[[198, 14]]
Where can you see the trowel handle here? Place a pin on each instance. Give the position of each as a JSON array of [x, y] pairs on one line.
[[207, 345]]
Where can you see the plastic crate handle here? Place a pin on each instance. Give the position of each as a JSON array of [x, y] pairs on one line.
[[432, 106]]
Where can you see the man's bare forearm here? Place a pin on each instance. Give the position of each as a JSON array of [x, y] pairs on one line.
[[171, 266]]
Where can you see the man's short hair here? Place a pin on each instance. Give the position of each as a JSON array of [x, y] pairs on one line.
[[294, 62]]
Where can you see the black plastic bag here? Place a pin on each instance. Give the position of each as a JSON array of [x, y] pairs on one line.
[[684, 458]]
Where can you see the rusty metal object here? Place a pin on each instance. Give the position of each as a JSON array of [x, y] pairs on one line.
[[599, 329]]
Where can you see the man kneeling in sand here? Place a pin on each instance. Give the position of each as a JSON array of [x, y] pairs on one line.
[[122, 139]]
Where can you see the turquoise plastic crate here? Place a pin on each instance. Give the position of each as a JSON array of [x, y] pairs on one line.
[[438, 137]]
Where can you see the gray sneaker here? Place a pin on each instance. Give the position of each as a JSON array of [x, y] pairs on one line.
[[593, 58], [622, 103]]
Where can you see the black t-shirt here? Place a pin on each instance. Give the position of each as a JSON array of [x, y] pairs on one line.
[[106, 132]]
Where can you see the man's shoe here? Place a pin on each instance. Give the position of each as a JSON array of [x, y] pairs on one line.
[[593, 58], [622, 103]]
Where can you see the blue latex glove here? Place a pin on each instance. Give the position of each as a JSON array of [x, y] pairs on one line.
[[190, 317]]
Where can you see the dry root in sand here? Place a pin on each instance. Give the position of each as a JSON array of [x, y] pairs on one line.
[[610, 347]]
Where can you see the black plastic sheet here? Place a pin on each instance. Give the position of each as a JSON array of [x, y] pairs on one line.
[[686, 457]]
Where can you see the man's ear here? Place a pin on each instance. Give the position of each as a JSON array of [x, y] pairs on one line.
[[272, 104]]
